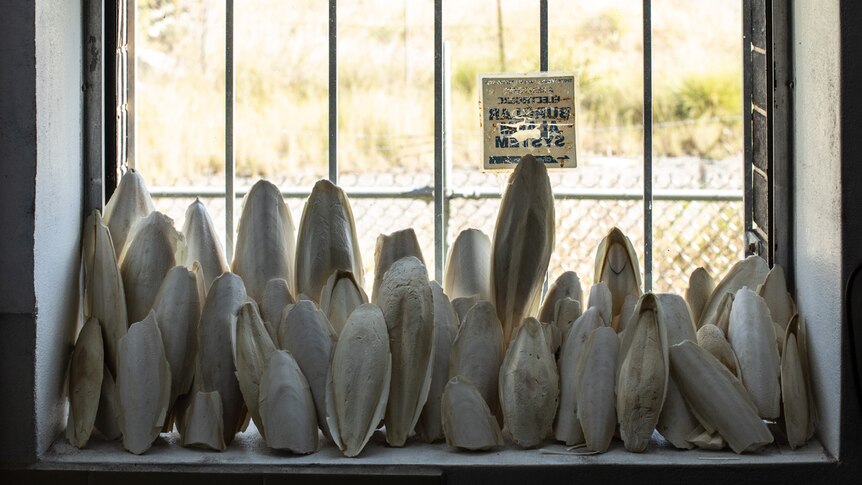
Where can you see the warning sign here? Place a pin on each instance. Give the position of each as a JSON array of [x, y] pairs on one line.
[[528, 114]]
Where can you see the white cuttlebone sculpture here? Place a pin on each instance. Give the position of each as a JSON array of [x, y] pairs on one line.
[[202, 244], [143, 385], [467, 421], [389, 249], [750, 272], [265, 241], [361, 355], [522, 245], [86, 368], [215, 369], [717, 398], [713, 340], [286, 406], [567, 285], [327, 240], [477, 352], [752, 337], [254, 347], [177, 308], [700, 287], [341, 294], [800, 412], [430, 424], [596, 380], [104, 295], [276, 297], [408, 308], [567, 427], [307, 335], [617, 266], [676, 422], [468, 265], [129, 203], [778, 299], [642, 374], [153, 248], [529, 386]]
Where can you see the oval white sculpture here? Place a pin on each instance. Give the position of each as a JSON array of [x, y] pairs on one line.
[[389, 249], [154, 247], [752, 337], [522, 245], [341, 294], [265, 245], [676, 423], [529, 386], [778, 299], [568, 427], [327, 239], [467, 421], [750, 272], [276, 296], [797, 396], [307, 335], [215, 369], [408, 308], [717, 398], [713, 340], [700, 287], [566, 312], [477, 352], [430, 424], [642, 374], [468, 268], [254, 347], [286, 406], [602, 300], [596, 380], [617, 266], [104, 294], [177, 309], [361, 355], [567, 285], [463, 304], [143, 385], [129, 203], [86, 368], [202, 243], [203, 426]]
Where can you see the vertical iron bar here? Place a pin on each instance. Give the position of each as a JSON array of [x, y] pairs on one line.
[[543, 35], [94, 106], [748, 155], [647, 108], [333, 91], [543, 66], [439, 196], [447, 148], [229, 161], [131, 64]]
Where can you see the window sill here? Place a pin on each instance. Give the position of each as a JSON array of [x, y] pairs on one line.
[[249, 454]]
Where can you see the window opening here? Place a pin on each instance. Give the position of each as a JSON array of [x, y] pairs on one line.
[[448, 189]]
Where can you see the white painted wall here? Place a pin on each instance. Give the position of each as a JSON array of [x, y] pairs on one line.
[[58, 217], [817, 200]]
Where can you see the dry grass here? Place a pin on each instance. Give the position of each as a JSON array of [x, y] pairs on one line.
[[386, 80]]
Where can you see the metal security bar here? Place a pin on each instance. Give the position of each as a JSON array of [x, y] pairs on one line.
[[647, 110]]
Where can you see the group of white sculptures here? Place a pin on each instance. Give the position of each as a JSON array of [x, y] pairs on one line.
[[287, 336]]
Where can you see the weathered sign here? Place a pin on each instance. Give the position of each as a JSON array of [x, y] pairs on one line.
[[528, 114]]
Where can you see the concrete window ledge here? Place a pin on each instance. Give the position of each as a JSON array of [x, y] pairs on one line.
[[248, 460]]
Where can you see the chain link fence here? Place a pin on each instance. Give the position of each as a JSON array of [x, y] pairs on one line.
[[687, 233]]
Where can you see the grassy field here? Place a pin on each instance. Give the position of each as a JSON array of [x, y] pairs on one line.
[[386, 80]]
